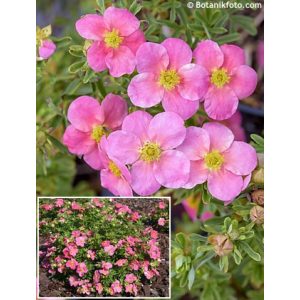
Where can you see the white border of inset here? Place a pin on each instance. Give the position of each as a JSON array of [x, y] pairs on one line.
[[101, 197]]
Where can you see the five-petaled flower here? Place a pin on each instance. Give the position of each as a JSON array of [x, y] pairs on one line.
[[116, 38]]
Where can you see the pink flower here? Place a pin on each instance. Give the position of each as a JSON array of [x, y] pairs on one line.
[[75, 206], [162, 205], [121, 262], [219, 160], [130, 278], [81, 269], [110, 250], [76, 233], [154, 234], [59, 202], [168, 76], [134, 265], [47, 206], [106, 265], [114, 176], [73, 280], [161, 221], [91, 254], [96, 276], [135, 216], [73, 250], [230, 79], [154, 252], [80, 241], [97, 202], [90, 121], [72, 264], [130, 251], [131, 289], [99, 288], [46, 49], [116, 287], [148, 144], [86, 289], [105, 243], [116, 37], [149, 274]]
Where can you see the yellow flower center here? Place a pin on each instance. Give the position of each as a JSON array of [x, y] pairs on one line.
[[150, 152], [114, 169], [97, 133], [214, 160], [169, 79], [220, 77], [112, 39]]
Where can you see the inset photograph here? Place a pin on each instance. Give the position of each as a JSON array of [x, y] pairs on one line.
[[104, 247]]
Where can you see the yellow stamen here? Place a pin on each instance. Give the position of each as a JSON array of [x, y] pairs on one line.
[[220, 77], [169, 79], [214, 160], [112, 39], [97, 133], [150, 152], [114, 169]]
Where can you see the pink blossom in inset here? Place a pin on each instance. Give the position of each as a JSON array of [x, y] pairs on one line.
[[148, 143], [81, 269], [116, 287], [230, 79], [154, 252], [59, 202], [134, 265], [91, 254], [216, 158], [131, 289], [96, 276], [80, 241], [154, 234], [90, 122], [162, 205], [130, 278], [168, 76], [47, 207], [105, 243], [116, 37], [121, 262], [76, 206], [72, 264], [161, 222], [110, 250], [99, 288], [73, 280]]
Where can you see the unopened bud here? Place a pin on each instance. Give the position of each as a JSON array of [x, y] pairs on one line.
[[257, 214], [258, 176], [222, 245], [258, 197]]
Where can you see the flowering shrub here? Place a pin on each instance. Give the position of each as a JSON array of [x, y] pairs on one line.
[[101, 246], [155, 98]]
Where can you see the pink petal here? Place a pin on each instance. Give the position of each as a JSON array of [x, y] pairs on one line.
[[138, 123], [234, 56], [195, 82], [247, 180], [47, 49], [172, 170], [196, 143], [120, 61], [123, 146], [84, 112], [167, 129], [122, 20], [152, 58], [96, 54], [243, 81], [173, 102], [209, 55], [179, 52], [220, 103], [117, 185], [144, 91], [78, 142], [224, 185], [103, 149], [91, 27], [221, 137], [240, 158], [114, 109], [198, 174], [143, 180], [92, 158], [134, 41]]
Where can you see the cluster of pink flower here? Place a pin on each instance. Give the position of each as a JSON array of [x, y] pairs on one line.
[[87, 267], [140, 152]]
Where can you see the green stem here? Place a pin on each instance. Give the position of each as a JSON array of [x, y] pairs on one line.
[[102, 88]]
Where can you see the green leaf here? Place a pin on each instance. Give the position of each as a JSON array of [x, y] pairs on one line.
[[228, 38], [179, 261], [101, 5], [247, 23], [72, 87], [257, 139], [251, 253], [237, 256], [76, 67], [203, 260], [55, 142], [191, 278], [135, 7], [197, 237], [180, 239]]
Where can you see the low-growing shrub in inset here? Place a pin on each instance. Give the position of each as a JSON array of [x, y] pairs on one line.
[[101, 246]]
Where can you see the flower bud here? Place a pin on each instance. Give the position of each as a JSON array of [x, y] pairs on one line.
[[258, 176], [257, 214], [222, 245], [258, 197]]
